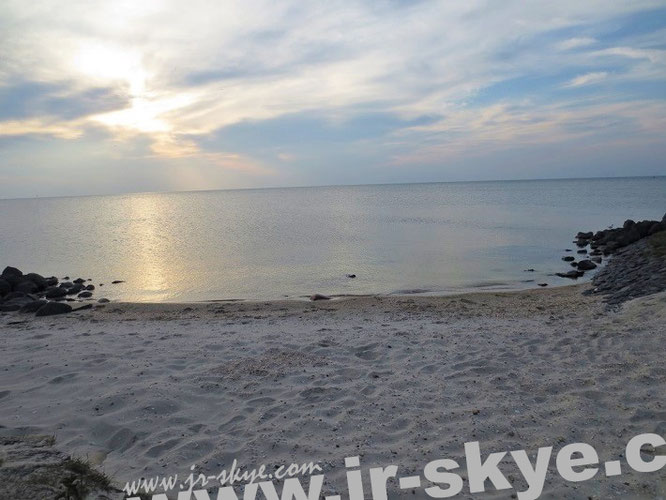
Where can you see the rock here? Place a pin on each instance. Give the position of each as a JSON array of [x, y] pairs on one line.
[[351, 276], [319, 296], [84, 295], [568, 250], [5, 287], [51, 281], [530, 270], [66, 284], [628, 224], [585, 236], [542, 284], [568, 258], [570, 274], [596, 259], [37, 279], [33, 306], [9, 307], [51, 308], [11, 272], [75, 289], [11, 275], [574, 264], [90, 287], [79, 280], [53, 292], [103, 300], [26, 286], [117, 281], [586, 265], [15, 295], [582, 251]]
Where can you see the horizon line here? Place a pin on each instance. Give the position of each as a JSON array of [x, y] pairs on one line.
[[36, 197]]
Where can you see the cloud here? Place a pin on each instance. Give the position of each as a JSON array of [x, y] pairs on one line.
[[574, 43], [184, 78], [587, 79]]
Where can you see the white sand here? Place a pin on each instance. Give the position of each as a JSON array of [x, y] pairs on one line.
[[151, 389]]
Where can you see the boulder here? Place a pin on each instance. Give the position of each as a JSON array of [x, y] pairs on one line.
[[586, 265], [85, 295], [51, 281], [51, 308], [12, 275], [53, 292], [90, 287], [5, 287], [570, 274], [319, 296], [33, 306], [9, 307], [26, 286], [568, 258], [38, 280], [103, 300], [15, 295], [79, 280]]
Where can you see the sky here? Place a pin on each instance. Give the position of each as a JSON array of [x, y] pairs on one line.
[[104, 97]]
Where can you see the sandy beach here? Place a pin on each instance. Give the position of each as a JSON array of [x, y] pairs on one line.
[[150, 389]]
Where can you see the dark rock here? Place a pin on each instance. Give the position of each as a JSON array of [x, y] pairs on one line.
[[90, 287], [11, 275], [84, 295], [33, 306], [351, 276], [9, 307], [115, 282], [37, 279], [582, 251], [103, 300], [570, 274], [75, 289], [574, 264], [26, 286], [53, 292], [568, 250], [66, 284], [568, 258], [51, 308], [5, 287], [319, 296], [596, 259], [530, 270], [542, 284], [585, 236], [15, 295], [11, 272], [79, 280], [51, 281], [628, 223], [586, 265]]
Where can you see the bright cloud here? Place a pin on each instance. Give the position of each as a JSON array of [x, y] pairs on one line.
[[175, 81], [587, 79]]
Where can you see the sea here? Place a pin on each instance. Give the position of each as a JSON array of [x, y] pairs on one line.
[[288, 243]]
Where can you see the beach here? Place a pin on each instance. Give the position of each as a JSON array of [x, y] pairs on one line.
[[151, 389]]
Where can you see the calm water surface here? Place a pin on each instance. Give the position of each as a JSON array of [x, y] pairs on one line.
[[272, 243]]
